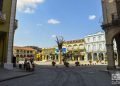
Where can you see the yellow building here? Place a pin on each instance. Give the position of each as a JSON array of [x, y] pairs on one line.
[[23, 52], [8, 24], [75, 48], [47, 53]]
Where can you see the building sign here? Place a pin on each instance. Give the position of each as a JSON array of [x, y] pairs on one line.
[[63, 50]]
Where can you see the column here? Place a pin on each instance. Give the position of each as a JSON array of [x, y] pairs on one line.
[[118, 50], [104, 55], [119, 59], [110, 57], [85, 58], [97, 58], [8, 65], [92, 57]]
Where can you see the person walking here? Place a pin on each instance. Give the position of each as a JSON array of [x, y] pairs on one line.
[[14, 61]]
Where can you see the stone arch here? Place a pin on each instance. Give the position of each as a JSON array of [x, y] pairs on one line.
[[89, 56], [101, 57], [109, 46], [111, 34], [117, 39], [95, 56], [115, 55]]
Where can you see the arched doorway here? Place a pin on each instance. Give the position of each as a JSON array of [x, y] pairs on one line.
[[101, 57], [95, 56], [89, 56], [82, 58], [115, 56]]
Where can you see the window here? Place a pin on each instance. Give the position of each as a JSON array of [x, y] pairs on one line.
[[94, 39], [99, 38], [88, 39], [88, 47], [94, 47], [17, 51], [1, 4], [100, 46], [30, 51]]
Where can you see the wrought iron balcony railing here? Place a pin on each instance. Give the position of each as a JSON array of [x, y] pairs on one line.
[[115, 21], [2, 18]]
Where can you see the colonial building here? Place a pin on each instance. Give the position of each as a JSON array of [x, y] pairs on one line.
[[75, 48], [23, 52], [95, 45], [8, 24], [111, 26], [48, 53]]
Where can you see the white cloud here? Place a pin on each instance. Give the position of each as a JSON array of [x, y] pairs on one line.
[[92, 17], [28, 6], [53, 36], [53, 21]]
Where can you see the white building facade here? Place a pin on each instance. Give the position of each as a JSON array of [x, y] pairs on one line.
[[95, 46]]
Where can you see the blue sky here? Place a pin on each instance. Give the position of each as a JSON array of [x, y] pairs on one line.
[[41, 20]]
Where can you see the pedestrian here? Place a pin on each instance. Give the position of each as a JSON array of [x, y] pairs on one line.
[[25, 63], [14, 61]]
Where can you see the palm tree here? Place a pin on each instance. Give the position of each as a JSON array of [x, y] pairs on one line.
[[60, 41]]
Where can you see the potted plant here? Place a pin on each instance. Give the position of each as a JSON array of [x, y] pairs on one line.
[[53, 63], [97, 61], [77, 63], [66, 64], [90, 61]]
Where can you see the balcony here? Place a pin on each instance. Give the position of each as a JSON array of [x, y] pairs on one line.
[[2, 18], [115, 21], [15, 24]]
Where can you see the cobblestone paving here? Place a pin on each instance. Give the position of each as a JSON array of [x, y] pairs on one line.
[[73, 76]]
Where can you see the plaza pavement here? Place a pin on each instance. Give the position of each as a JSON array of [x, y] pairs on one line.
[[47, 75], [12, 74], [61, 76], [17, 73]]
